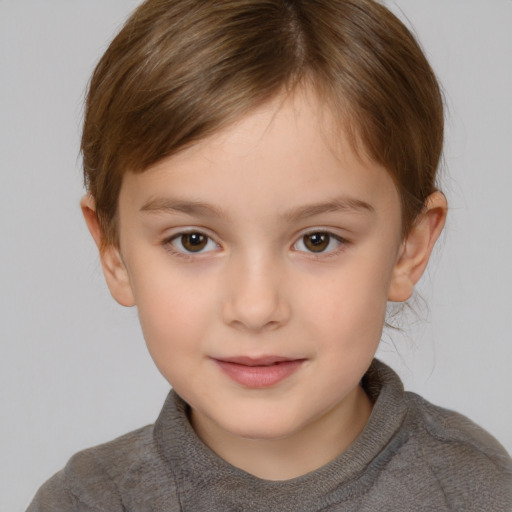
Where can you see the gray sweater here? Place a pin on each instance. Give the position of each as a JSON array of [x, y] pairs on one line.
[[411, 456]]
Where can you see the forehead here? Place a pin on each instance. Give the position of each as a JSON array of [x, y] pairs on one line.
[[288, 152]]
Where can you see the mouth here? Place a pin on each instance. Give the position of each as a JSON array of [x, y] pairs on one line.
[[260, 372]]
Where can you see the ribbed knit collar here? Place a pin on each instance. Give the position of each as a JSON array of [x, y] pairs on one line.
[[207, 482]]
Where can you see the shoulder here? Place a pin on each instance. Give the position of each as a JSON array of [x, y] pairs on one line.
[[105, 477], [456, 433], [469, 465]]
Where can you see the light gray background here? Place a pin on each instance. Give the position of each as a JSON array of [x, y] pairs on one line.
[[74, 368]]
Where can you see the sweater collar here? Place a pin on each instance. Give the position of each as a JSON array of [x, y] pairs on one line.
[[207, 482]]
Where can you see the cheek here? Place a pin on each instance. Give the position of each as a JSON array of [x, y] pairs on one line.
[[167, 294], [349, 312], [356, 293], [174, 315]]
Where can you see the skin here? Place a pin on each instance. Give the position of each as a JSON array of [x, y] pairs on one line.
[[260, 191]]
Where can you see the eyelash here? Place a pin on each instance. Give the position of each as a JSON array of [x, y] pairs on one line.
[[170, 247], [341, 242]]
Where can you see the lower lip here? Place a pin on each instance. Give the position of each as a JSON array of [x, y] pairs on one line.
[[259, 376]]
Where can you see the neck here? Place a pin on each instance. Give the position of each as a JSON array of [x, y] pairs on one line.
[[305, 450]]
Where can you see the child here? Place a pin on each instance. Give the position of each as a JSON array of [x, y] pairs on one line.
[[261, 181]]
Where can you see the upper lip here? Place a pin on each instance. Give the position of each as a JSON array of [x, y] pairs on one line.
[[256, 361]]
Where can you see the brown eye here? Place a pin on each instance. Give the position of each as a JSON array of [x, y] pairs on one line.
[[317, 242], [193, 242]]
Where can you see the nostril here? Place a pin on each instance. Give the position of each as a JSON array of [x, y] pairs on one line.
[[256, 297], [269, 315]]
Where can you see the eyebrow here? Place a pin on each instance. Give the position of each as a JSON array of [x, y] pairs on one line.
[[169, 205], [339, 204], [199, 208]]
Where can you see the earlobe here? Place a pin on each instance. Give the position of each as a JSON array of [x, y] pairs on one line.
[[112, 263], [417, 247]]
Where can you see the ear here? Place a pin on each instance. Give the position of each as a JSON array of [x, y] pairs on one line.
[[416, 248], [114, 268]]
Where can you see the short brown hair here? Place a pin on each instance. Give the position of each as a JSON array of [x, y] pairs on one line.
[[180, 70]]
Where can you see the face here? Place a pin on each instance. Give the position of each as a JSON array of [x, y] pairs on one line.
[[260, 261]]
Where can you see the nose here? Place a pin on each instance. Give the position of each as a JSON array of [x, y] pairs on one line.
[[256, 298]]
